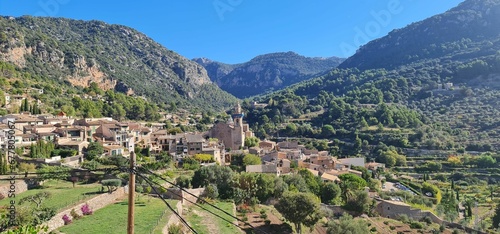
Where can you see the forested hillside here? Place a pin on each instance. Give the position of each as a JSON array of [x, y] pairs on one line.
[[74, 101], [467, 31], [77, 53], [445, 98]]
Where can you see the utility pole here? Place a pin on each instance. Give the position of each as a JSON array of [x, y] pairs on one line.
[[131, 191]]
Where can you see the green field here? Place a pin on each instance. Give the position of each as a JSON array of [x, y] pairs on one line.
[[113, 218], [62, 194], [204, 222]]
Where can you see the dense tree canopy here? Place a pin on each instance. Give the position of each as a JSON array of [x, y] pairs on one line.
[[299, 208]]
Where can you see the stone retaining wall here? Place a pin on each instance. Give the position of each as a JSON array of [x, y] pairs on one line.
[[173, 219], [392, 209], [94, 204], [20, 187]]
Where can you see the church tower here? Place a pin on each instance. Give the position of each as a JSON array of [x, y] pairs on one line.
[[238, 135], [238, 116]]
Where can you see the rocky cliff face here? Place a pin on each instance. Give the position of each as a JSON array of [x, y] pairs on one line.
[[113, 56], [266, 72]]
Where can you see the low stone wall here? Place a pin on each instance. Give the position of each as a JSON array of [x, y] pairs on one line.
[[189, 199], [173, 219], [390, 209], [336, 210], [94, 204], [184, 197], [20, 186]]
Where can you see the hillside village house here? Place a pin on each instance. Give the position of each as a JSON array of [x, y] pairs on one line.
[[265, 169], [187, 144]]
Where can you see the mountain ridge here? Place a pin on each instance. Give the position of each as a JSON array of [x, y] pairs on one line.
[[266, 72], [472, 19]]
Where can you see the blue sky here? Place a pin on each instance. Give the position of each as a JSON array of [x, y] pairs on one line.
[[234, 31]]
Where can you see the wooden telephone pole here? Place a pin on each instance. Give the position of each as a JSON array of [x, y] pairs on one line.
[[131, 191]]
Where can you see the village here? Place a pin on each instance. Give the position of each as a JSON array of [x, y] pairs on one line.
[[221, 143]]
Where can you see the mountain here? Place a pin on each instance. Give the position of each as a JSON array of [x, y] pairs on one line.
[[435, 83], [449, 35], [266, 73], [78, 53]]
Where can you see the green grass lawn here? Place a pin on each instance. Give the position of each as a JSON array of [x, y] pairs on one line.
[[204, 222], [62, 194], [113, 218]]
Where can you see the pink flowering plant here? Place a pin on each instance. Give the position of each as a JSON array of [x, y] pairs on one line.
[[86, 210], [67, 220]]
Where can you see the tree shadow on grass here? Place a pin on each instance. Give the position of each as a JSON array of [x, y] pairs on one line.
[[95, 193], [136, 203], [284, 228]]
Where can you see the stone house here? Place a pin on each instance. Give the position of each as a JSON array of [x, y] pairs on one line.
[[268, 145], [393, 209], [114, 150], [267, 169]]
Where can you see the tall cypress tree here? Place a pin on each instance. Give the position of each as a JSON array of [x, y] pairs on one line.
[[26, 105], [32, 151], [3, 164]]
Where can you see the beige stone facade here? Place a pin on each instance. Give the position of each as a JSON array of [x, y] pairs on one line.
[[232, 133]]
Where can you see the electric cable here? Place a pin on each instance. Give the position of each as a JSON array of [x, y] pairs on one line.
[[168, 205]]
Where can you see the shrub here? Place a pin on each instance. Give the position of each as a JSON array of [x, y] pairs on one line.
[[427, 220], [392, 227], [175, 229], [373, 229], [404, 218], [267, 222], [67, 220], [416, 225], [386, 222], [86, 210], [74, 214], [211, 191]]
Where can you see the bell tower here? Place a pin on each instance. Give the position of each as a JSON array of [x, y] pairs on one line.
[[238, 135], [238, 116]]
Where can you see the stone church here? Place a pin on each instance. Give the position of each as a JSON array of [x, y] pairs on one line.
[[234, 132]]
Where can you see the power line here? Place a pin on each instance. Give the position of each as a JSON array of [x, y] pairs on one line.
[[203, 208], [168, 205], [217, 208], [8, 176]]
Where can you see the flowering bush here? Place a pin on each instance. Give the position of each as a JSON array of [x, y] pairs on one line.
[[67, 220], [86, 210]]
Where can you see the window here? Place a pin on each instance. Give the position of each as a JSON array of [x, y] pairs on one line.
[[388, 208]]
